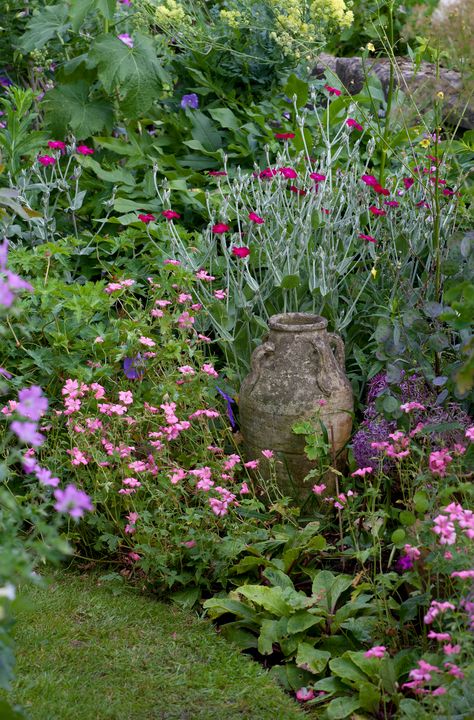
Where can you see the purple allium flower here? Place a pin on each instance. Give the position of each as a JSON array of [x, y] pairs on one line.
[[229, 400], [191, 101], [72, 501], [133, 368], [27, 432], [32, 403]]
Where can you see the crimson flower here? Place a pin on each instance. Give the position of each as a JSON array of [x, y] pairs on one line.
[[370, 180], [317, 177], [296, 190], [422, 203], [256, 218], [56, 145], [267, 173], [46, 160], [391, 203], [376, 211], [350, 122], [170, 214], [380, 190], [220, 228], [325, 211], [84, 150], [288, 173], [240, 252], [332, 90], [369, 238], [408, 182], [284, 136], [216, 173], [146, 218], [448, 192]]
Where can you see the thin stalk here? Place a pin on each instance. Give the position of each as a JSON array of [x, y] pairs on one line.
[[391, 85]]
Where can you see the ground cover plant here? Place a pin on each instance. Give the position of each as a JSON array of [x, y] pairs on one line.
[[171, 176]]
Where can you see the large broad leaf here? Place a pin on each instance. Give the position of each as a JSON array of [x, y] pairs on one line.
[[134, 72], [328, 588], [344, 668], [270, 598], [220, 606], [80, 8], [297, 87], [45, 25], [302, 620], [70, 106], [341, 707], [311, 659], [119, 175], [271, 633], [204, 132]]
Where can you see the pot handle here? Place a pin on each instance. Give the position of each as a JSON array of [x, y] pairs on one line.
[[255, 363], [337, 345], [329, 370]]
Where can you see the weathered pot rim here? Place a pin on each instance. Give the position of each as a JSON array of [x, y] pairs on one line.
[[297, 322]]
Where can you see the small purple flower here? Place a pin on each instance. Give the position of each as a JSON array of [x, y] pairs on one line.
[[72, 501], [191, 101], [126, 39], [6, 295], [404, 563], [5, 373], [133, 368], [27, 432], [45, 477], [3, 255], [32, 403], [229, 401], [5, 82]]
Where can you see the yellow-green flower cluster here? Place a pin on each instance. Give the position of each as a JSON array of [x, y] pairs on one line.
[[233, 18], [332, 12], [171, 12]]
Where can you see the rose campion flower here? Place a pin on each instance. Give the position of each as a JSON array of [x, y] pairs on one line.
[[284, 136], [376, 211], [241, 252], [332, 90], [220, 228], [256, 218], [350, 122], [317, 177], [46, 160], [84, 150], [190, 101], [170, 214], [369, 238], [57, 145], [288, 173], [146, 218]]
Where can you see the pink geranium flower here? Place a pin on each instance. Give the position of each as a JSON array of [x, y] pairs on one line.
[[378, 651], [319, 489], [362, 472], [268, 454]]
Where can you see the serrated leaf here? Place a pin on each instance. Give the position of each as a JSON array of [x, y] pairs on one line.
[[80, 8], [71, 106], [134, 72], [45, 25]]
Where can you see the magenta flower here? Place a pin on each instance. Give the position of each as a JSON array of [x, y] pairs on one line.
[[408, 182], [391, 203], [376, 211], [378, 651], [72, 501], [350, 122], [288, 173], [57, 145], [369, 238], [256, 218], [269, 454], [170, 214], [146, 218], [84, 150], [284, 136], [304, 694], [317, 177], [216, 173], [46, 160], [362, 472], [319, 489], [45, 477], [439, 461], [220, 228], [332, 90], [241, 252]]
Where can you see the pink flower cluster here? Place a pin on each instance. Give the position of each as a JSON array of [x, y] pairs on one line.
[[120, 285], [444, 523], [398, 448]]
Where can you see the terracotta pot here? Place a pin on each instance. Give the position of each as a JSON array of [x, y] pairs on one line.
[[299, 365]]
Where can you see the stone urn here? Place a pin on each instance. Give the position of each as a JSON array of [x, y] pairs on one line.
[[298, 373]]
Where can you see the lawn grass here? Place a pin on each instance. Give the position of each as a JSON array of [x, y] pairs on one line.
[[84, 653]]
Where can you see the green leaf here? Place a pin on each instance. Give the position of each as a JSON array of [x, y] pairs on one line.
[[226, 118], [135, 73], [341, 707], [270, 598], [118, 175], [278, 578], [421, 501], [369, 697], [44, 25], [8, 712], [290, 281], [398, 536], [328, 588], [302, 620], [297, 87], [70, 106], [186, 598], [407, 518], [80, 8], [270, 633], [204, 131], [309, 658], [221, 606], [344, 668]]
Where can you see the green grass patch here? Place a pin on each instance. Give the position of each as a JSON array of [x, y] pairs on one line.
[[85, 653]]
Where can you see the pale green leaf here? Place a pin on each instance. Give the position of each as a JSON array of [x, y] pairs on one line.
[[311, 659]]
